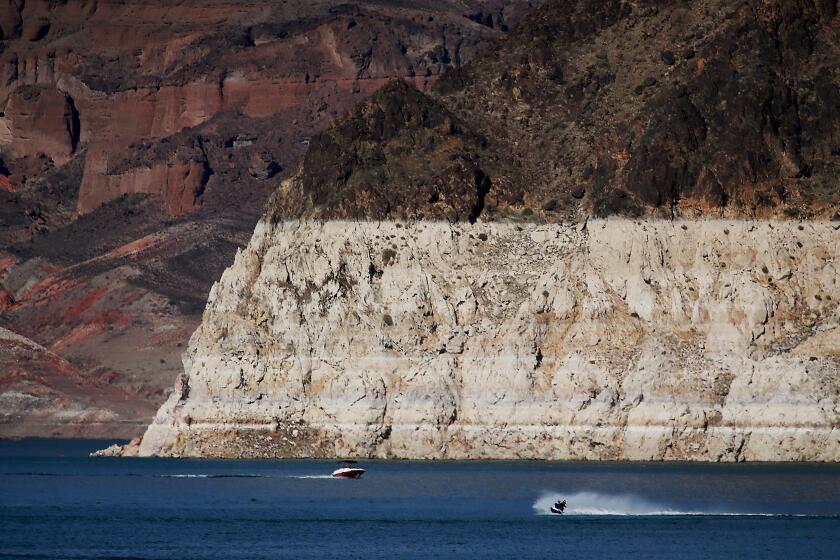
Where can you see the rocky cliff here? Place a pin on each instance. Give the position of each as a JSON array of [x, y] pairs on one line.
[[109, 77], [614, 235], [139, 142], [613, 339]]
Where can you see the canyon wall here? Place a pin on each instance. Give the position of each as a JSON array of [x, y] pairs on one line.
[[613, 339], [104, 76], [139, 142], [176, 122]]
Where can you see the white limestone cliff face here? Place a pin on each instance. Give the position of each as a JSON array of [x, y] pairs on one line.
[[708, 340]]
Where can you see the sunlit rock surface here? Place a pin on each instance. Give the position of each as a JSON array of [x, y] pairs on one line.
[[612, 339]]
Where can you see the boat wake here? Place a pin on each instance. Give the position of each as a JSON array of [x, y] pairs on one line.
[[594, 503], [213, 476], [307, 476], [302, 476]]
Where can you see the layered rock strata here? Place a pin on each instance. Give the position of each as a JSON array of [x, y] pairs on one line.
[[139, 142], [612, 339], [107, 75], [43, 393]]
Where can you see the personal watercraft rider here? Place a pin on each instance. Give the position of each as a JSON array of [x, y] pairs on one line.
[[559, 506]]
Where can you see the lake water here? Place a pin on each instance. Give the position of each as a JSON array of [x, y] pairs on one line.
[[55, 502]]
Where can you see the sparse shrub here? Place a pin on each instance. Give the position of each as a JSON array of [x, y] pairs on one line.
[[388, 256]]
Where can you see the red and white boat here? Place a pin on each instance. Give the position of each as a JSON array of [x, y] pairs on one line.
[[348, 469]]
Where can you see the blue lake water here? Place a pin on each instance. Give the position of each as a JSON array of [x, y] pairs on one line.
[[55, 502]]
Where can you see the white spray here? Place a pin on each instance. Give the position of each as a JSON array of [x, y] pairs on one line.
[[594, 503]]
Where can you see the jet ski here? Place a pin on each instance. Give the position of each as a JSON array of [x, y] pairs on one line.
[[348, 469], [559, 507]]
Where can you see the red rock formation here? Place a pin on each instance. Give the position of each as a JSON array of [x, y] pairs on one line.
[[6, 301], [41, 120], [131, 73], [42, 393], [179, 181], [143, 139]]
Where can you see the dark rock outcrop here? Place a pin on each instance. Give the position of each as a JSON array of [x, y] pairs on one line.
[[401, 154], [576, 106]]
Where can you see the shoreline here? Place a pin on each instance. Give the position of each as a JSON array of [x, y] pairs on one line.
[[5, 443]]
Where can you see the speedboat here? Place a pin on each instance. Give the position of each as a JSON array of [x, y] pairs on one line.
[[559, 507], [348, 469]]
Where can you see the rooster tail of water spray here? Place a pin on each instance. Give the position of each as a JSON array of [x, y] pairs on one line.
[[594, 503]]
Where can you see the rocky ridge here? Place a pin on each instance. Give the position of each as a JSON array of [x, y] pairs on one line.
[[664, 109]]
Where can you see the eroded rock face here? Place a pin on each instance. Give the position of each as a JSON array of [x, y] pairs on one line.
[[140, 142], [614, 339], [126, 74], [180, 178], [40, 120]]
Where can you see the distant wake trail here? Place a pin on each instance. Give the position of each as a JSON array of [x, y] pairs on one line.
[[594, 503], [302, 476], [324, 476], [213, 476]]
